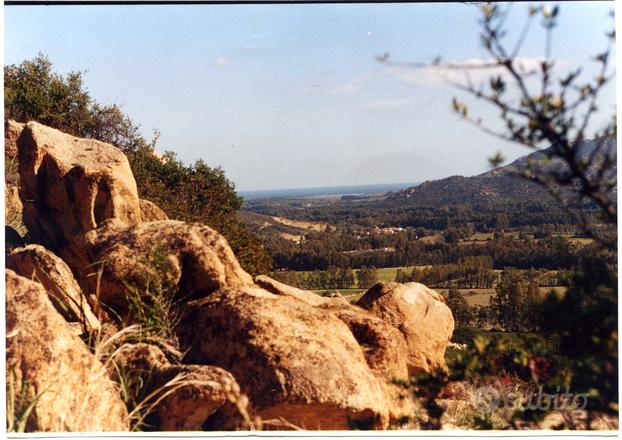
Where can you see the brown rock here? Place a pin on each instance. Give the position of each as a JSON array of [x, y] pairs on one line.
[[44, 359], [385, 350], [417, 312], [384, 346], [150, 212], [13, 209], [189, 260], [188, 396], [69, 186], [296, 362], [279, 288], [204, 395], [37, 263], [12, 130]]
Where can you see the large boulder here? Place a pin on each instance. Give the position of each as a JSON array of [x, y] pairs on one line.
[[69, 186], [297, 363], [53, 368], [187, 260], [150, 212], [186, 397], [37, 263], [420, 314]]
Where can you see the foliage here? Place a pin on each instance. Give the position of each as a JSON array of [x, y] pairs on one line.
[[193, 193], [515, 300], [586, 319], [367, 277], [20, 403], [333, 278], [459, 308], [153, 308], [557, 114]]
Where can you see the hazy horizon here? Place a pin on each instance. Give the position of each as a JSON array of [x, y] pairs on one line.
[[291, 96]]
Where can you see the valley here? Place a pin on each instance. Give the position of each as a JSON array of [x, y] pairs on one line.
[[464, 235]]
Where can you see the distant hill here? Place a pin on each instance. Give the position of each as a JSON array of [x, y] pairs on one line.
[[498, 187]]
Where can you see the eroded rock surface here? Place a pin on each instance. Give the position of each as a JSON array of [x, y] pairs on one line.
[[192, 395], [45, 359], [12, 130], [419, 314], [188, 260], [150, 212], [294, 361], [69, 186], [37, 263]]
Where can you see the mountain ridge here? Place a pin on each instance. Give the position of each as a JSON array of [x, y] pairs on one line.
[[501, 185]]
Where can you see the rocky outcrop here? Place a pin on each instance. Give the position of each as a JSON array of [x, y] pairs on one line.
[[296, 362], [188, 260], [12, 203], [12, 130], [37, 263], [188, 396], [303, 360], [150, 212], [53, 368], [69, 186], [419, 314]]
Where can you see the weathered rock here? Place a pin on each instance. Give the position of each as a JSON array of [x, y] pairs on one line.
[[13, 208], [140, 357], [192, 395], [44, 359], [418, 313], [69, 186], [383, 345], [12, 130], [37, 263], [279, 288], [296, 362], [150, 212], [385, 350], [189, 260], [203, 390]]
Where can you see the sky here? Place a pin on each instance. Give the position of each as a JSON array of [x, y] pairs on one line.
[[291, 96]]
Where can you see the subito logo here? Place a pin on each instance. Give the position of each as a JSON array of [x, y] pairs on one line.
[[486, 399]]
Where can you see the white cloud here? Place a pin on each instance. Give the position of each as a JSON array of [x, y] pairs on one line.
[[355, 85], [222, 61], [476, 70]]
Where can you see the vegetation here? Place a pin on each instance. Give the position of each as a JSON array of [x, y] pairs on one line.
[[197, 192], [20, 403], [515, 301], [585, 317], [551, 222]]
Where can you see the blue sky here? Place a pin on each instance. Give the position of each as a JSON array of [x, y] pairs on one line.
[[286, 96]]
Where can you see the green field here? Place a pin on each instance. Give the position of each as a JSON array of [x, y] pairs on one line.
[[482, 237], [474, 297]]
